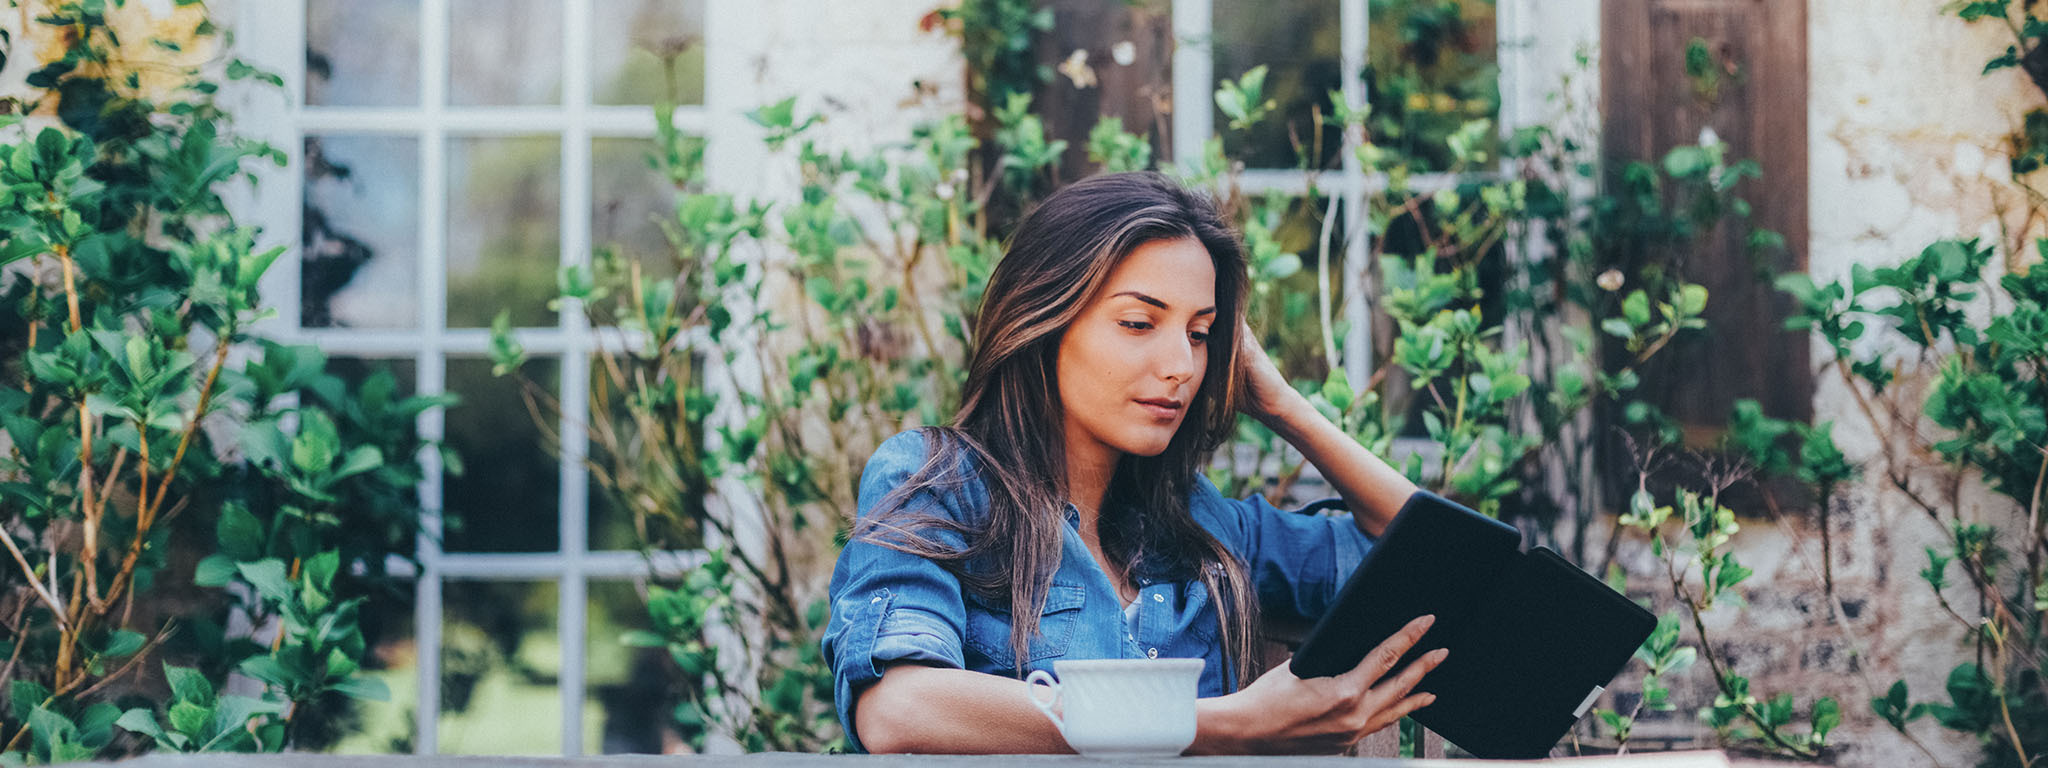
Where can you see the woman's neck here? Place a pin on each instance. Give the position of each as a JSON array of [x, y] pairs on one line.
[[1090, 464]]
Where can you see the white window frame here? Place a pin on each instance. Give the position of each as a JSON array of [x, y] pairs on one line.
[[272, 36], [1533, 54]]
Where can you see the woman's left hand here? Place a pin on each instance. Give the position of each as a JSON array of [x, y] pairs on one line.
[[1267, 395]]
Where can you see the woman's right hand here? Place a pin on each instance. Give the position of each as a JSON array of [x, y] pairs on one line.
[[1280, 713]]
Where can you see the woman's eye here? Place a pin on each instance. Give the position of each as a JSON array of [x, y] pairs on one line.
[[1198, 337], [1135, 325]]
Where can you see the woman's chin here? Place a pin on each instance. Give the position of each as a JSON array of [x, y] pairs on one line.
[[1147, 445]]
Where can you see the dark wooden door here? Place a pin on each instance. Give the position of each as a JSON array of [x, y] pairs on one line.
[[1758, 108], [1139, 92]]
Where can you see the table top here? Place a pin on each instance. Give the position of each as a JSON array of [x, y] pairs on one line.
[[800, 760]]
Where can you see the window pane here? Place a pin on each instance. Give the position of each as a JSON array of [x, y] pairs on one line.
[[631, 40], [1433, 67], [500, 664], [357, 370], [629, 700], [380, 727], [1286, 314], [628, 199], [362, 53], [504, 52], [673, 522], [1300, 43], [360, 237], [506, 498], [504, 229]]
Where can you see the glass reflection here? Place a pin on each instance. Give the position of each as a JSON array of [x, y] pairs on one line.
[[504, 229], [632, 40], [1300, 42], [360, 234], [505, 53], [628, 202], [630, 693], [362, 53], [1434, 67], [364, 727], [507, 497], [501, 661]]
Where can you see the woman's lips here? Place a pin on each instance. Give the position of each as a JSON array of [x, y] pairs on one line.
[[1164, 410]]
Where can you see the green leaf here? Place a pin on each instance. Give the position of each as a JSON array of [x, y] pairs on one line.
[[187, 684], [1692, 299], [21, 246], [190, 719], [640, 638], [140, 721], [1337, 389], [50, 729], [268, 670], [1827, 714], [319, 570], [124, 643], [268, 576], [365, 688], [215, 570], [362, 458], [1636, 308], [26, 696], [239, 532], [1688, 162]]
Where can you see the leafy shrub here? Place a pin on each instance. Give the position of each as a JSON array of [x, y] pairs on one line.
[[136, 434]]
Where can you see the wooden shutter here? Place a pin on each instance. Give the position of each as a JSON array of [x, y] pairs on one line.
[[1760, 112]]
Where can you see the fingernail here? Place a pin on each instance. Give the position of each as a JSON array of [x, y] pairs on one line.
[[1428, 619], [1437, 656]]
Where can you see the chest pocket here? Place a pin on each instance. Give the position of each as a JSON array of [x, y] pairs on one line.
[[988, 626]]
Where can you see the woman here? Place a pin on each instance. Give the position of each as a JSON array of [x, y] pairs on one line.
[[1064, 514]]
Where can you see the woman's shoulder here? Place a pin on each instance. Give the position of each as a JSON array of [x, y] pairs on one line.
[[1210, 507], [909, 450], [907, 457]]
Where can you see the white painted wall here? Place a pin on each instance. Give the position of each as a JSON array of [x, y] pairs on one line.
[[855, 63]]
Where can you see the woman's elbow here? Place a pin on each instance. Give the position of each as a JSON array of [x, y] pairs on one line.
[[883, 719]]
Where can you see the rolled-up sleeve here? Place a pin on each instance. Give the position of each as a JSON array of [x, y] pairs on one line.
[[890, 606], [1298, 559]]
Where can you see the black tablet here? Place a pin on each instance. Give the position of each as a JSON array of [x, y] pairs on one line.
[[1533, 638]]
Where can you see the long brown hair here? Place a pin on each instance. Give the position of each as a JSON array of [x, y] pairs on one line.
[[1010, 417]]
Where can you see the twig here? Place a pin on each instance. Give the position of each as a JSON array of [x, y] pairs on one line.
[[56, 607], [161, 635]]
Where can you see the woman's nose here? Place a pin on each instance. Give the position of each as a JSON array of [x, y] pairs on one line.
[[1178, 361]]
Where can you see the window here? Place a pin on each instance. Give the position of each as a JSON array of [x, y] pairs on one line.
[[1426, 68], [448, 157]]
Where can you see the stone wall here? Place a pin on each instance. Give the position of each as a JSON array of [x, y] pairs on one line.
[[1907, 145]]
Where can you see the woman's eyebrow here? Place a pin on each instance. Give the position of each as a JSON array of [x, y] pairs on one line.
[[1156, 302]]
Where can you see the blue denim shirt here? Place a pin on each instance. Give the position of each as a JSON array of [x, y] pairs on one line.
[[890, 606]]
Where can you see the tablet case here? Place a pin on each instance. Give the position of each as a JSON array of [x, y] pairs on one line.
[[1533, 639]]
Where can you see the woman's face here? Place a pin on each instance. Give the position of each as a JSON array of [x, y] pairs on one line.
[[1133, 360]]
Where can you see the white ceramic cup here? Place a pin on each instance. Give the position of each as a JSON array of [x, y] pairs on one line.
[[1121, 708]]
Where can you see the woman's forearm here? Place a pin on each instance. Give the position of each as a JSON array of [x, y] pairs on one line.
[[1372, 488], [935, 710], [953, 711]]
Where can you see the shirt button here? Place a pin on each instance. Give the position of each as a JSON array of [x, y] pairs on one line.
[[1158, 597], [1151, 653]]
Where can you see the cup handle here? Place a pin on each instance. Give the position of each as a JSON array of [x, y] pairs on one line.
[[1040, 679]]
